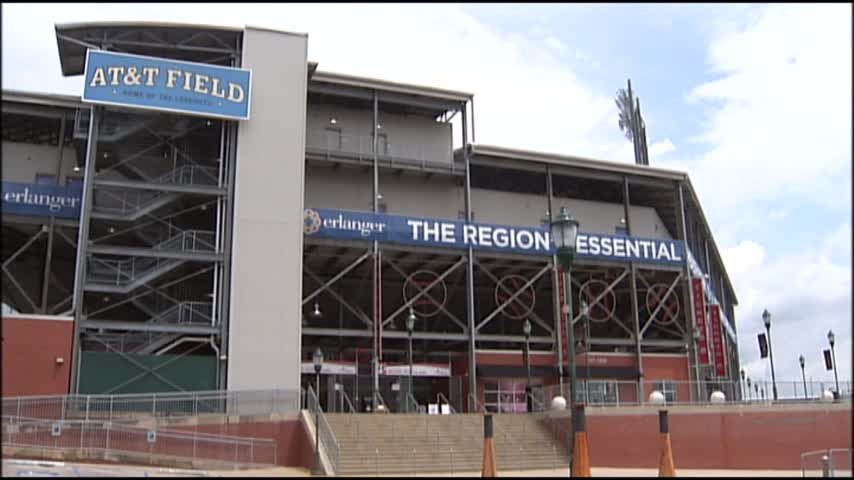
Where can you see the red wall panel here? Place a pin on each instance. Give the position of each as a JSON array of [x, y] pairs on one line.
[[31, 346]]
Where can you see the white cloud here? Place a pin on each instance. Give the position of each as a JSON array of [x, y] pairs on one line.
[[658, 149]]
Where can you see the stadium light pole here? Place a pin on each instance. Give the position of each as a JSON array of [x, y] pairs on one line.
[[410, 325], [832, 339], [317, 359], [766, 318], [803, 375], [526, 329]]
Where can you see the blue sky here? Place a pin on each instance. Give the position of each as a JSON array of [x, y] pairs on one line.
[[753, 101]]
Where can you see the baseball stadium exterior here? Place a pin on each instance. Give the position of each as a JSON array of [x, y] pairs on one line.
[[157, 243]]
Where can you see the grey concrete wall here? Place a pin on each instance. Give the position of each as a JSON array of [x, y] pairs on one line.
[[22, 161], [266, 277], [409, 137], [491, 206], [410, 194]]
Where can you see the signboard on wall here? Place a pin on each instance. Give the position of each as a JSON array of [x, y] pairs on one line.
[[700, 318], [152, 83], [418, 370], [347, 225], [42, 200], [718, 340]]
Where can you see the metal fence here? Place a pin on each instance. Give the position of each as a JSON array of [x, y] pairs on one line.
[[96, 438], [327, 437], [129, 407], [834, 462]]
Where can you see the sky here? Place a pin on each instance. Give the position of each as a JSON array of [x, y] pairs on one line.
[[753, 101]]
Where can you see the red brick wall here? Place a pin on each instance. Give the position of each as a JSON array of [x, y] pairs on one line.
[[719, 440], [293, 444], [31, 346]]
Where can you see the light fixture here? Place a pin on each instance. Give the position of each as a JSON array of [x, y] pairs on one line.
[[766, 318], [410, 320], [317, 359], [801, 360], [379, 196], [831, 337], [106, 154], [379, 126], [526, 328], [106, 299], [208, 123], [316, 313], [623, 221], [112, 230], [60, 360], [77, 168], [564, 232], [203, 207], [333, 120], [585, 309]]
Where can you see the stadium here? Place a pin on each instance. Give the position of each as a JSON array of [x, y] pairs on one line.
[[208, 216]]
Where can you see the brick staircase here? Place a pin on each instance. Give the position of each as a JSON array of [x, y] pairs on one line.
[[418, 443]]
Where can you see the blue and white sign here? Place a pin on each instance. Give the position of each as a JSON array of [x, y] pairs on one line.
[[169, 85], [347, 225], [42, 200]]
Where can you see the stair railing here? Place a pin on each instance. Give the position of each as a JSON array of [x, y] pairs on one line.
[[441, 396]]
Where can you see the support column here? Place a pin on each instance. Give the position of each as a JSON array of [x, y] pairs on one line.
[[556, 286], [470, 291], [375, 291], [52, 225], [634, 293], [95, 114], [688, 292]]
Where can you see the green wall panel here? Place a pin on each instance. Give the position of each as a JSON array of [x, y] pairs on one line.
[[102, 372]]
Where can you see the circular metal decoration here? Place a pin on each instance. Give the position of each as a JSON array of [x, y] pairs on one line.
[[670, 311], [523, 304], [418, 281], [603, 310], [311, 221]]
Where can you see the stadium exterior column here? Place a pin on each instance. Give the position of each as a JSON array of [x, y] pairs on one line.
[[633, 288], [470, 292], [688, 292], [52, 225], [374, 203]]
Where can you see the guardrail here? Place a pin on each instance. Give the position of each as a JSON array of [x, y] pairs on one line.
[[425, 156], [153, 446], [131, 407], [832, 462], [327, 437]]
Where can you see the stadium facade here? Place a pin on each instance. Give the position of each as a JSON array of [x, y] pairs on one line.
[[214, 208]]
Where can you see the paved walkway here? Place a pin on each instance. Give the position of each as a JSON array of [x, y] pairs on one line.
[[21, 468]]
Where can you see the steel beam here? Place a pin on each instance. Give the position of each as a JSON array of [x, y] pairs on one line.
[[513, 297], [660, 304], [425, 292], [154, 253], [162, 187], [539, 321], [149, 327], [356, 311], [335, 332], [337, 277]]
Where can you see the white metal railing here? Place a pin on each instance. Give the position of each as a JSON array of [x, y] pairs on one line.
[[833, 462], [131, 407], [441, 396], [96, 439], [190, 174], [436, 155], [325, 433], [185, 313]]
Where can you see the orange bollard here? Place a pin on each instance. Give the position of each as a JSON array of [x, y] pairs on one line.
[[580, 450], [665, 463], [490, 468]]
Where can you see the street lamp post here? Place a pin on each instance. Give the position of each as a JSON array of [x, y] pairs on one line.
[[410, 324], [766, 318], [748, 389], [526, 329], [317, 359], [585, 312], [832, 339], [564, 232], [803, 375], [741, 385]]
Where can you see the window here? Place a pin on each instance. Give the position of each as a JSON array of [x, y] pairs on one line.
[[600, 392], [505, 397], [668, 388], [45, 179]]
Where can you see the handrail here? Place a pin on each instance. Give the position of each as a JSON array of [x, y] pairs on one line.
[[381, 401], [347, 398], [325, 433], [441, 396], [536, 402], [409, 397]]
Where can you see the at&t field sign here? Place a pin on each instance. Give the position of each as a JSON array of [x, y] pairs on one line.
[[173, 86]]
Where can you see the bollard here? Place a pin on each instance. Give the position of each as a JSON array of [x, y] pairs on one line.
[[489, 462], [665, 462], [580, 450]]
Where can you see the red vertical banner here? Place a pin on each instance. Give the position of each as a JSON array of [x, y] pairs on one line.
[[564, 331], [717, 340], [700, 317]]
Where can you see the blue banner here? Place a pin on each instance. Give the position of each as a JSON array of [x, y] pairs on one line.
[[42, 200], [345, 225], [159, 84]]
